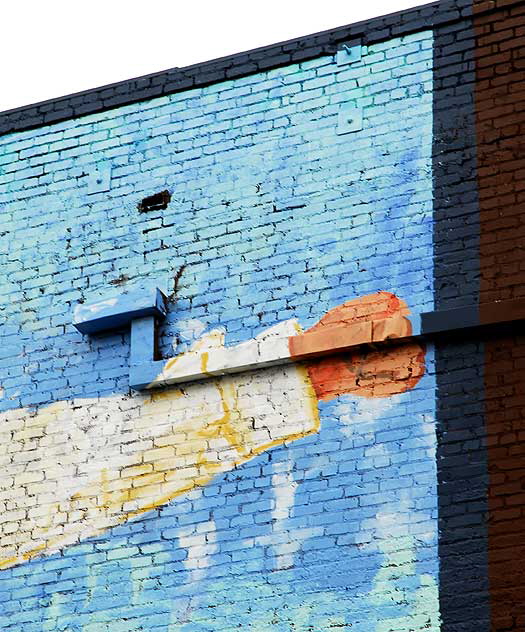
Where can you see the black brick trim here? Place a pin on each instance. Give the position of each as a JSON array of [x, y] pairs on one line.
[[459, 359], [234, 66]]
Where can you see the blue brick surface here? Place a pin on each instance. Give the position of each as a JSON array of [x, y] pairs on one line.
[[273, 216]]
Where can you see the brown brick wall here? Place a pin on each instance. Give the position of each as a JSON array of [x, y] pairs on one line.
[[500, 115], [500, 118]]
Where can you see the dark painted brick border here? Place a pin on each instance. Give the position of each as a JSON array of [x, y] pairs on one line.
[[461, 451]]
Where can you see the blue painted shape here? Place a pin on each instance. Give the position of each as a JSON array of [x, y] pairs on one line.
[[142, 339], [119, 311], [142, 374], [362, 223], [143, 368]]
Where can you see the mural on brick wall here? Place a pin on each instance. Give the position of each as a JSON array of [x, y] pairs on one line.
[[298, 497], [200, 430]]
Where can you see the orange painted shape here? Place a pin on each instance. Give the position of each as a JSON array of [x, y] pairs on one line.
[[368, 373], [378, 306], [330, 339], [397, 326], [362, 372]]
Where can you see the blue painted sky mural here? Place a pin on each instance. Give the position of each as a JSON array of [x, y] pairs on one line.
[[273, 218]]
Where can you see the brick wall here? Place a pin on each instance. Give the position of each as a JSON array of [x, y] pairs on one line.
[[500, 120], [376, 489]]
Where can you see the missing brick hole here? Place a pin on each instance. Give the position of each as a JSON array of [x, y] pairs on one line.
[[121, 280], [156, 202]]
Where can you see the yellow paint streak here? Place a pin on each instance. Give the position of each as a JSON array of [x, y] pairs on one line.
[[24, 557], [10, 561], [204, 362], [160, 396], [104, 487], [35, 551], [171, 362], [212, 339]]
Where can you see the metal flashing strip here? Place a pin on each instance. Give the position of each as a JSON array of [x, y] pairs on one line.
[[254, 354], [144, 308]]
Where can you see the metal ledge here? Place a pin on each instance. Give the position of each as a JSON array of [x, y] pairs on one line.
[[142, 310], [119, 311]]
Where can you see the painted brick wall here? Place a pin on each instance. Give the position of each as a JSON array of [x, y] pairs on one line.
[[273, 216], [360, 491]]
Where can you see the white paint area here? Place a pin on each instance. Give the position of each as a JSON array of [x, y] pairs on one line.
[[353, 412], [392, 522], [398, 546], [82, 312], [209, 356], [284, 488], [191, 329], [428, 427], [200, 542], [88, 465]]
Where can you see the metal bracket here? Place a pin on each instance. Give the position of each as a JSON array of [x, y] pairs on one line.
[[143, 368], [141, 309], [349, 53], [115, 312], [350, 119], [99, 181]]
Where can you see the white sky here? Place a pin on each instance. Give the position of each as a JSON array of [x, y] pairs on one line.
[[50, 48]]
